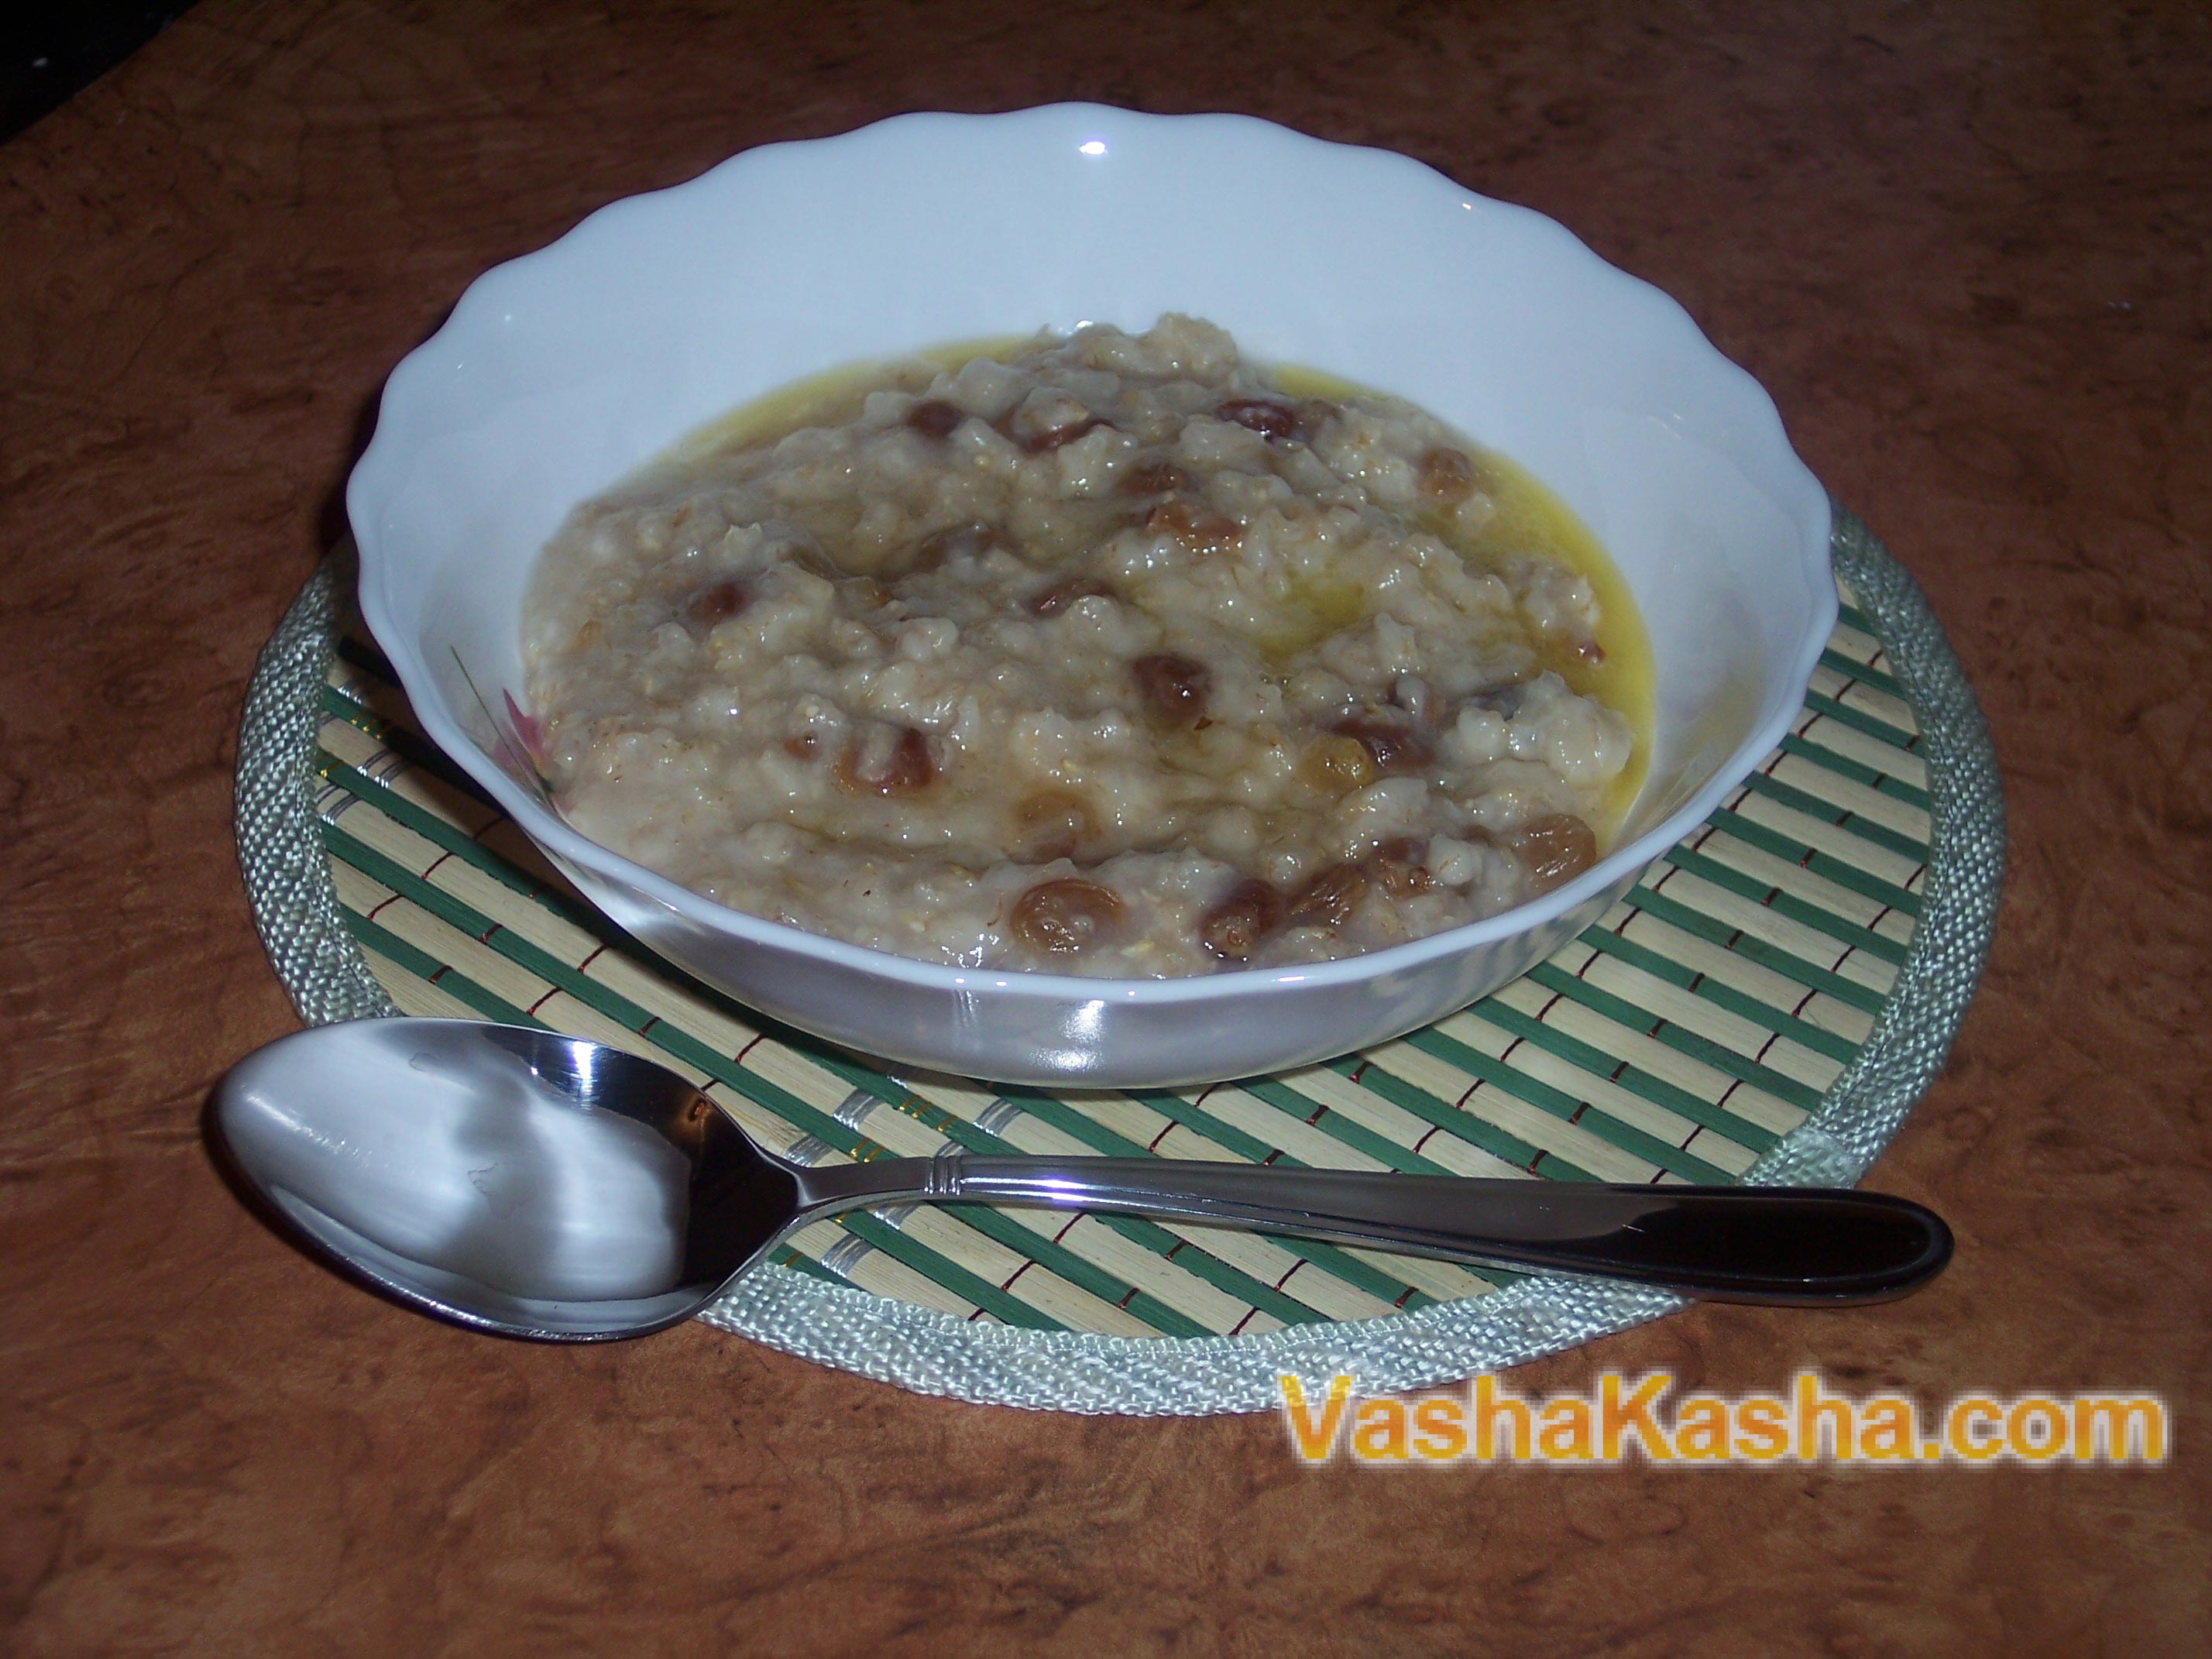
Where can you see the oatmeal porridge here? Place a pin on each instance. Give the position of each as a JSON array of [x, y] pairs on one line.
[[1107, 654]]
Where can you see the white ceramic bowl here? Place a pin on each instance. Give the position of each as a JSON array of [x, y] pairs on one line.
[[559, 373]]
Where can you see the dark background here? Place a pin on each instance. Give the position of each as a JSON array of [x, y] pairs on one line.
[[52, 52]]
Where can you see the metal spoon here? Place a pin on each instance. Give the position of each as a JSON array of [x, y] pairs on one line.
[[538, 1185]]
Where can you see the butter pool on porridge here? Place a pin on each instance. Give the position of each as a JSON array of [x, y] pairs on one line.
[[1109, 654]]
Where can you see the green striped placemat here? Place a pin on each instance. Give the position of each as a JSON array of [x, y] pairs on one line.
[[1684, 1038]]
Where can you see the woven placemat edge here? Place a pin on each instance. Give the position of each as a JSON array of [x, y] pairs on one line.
[[297, 912]]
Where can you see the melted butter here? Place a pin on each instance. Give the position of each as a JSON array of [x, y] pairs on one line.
[[832, 397], [1316, 606], [1529, 519]]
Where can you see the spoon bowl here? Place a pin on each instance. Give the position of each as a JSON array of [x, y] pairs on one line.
[[524, 1183], [513, 1179]]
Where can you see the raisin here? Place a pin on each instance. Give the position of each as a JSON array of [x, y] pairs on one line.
[[1329, 899], [1589, 651], [1391, 739], [1049, 440], [1200, 528], [804, 746], [1153, 479], [1054, 437], [1336, 765], [1066, 915], [1175, 688], [715, 604], [1057, 598], [1272, 421], [1233, 929], [933, 417], [907, 769], [1399, 865], [1052, 823], [1556, 849], [1447, 476]]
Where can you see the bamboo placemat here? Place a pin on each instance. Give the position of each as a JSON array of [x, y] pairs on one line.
[[1743, 1012]]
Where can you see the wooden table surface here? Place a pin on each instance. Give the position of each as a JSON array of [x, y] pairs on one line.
[[1966, 249]]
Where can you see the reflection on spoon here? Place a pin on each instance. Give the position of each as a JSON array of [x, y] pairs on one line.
[[534, 1184], [458, 1156]]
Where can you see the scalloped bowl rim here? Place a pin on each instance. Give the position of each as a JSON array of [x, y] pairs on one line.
[[1661, 312]]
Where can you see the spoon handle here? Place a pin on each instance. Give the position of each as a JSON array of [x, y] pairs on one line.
[[1779, 1244]]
